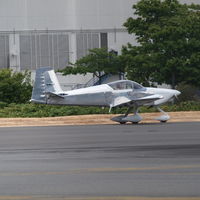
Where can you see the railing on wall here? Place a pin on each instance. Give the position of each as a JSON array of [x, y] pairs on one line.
[[93, 81]]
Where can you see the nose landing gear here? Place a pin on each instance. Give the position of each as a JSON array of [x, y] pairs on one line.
[[163, 118]]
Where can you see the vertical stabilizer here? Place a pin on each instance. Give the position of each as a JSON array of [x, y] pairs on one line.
[[45, 82]]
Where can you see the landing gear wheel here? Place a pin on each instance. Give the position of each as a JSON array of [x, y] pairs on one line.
[[164, 117], [123, 119]]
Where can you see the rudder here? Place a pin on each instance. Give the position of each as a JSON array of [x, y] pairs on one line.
[[45, 81]]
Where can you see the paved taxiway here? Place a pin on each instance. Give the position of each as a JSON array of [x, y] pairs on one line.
[[90, 162]]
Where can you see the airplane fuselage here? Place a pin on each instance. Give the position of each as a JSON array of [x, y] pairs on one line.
[[103, 95], [91, 96]]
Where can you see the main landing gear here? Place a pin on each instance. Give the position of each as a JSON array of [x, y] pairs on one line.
[[136, 118], [123, 119]]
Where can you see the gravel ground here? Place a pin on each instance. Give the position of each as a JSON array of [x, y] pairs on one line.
[[191, 116]]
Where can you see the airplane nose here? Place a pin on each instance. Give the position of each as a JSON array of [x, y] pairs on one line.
[[177, 92]]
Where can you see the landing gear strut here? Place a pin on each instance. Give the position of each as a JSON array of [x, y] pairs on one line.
[[135, 118], [163, 118]]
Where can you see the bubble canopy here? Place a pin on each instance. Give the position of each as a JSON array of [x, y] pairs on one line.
[[124, 85]]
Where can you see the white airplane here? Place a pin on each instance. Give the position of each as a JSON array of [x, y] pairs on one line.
[[127, 93]]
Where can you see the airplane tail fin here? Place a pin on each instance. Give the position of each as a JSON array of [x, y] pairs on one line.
[[46, 82]]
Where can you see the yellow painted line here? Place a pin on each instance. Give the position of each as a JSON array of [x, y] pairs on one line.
[[15, 197], [133, 198], [94, 198], [138, 169], [159, 169]]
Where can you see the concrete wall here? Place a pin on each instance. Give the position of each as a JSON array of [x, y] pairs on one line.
[[32, 19], [99, 14], [190, 1], [63, 14]]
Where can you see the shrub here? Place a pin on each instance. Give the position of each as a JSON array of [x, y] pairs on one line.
[[3, 104], [188, 92], [15, 87], [36, 110]]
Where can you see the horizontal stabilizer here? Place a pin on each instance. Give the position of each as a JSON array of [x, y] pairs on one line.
[[52, 94], [37, 101]]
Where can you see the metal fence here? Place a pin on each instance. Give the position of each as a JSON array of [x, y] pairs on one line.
[[4, 51], [46, 48], [38, 50], [86, 41]]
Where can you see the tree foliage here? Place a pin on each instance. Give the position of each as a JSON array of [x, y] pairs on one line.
[[168, 36], [98, 61], [15, 87]]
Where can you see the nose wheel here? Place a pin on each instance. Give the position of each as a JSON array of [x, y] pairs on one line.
[[164, 117]]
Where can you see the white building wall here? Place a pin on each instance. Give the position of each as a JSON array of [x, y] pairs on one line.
[[37, 14], [63, 14], [12, 15], [117, 39], [102, 14], [71, 17], [66, 14], [14, 57], [190, 1]]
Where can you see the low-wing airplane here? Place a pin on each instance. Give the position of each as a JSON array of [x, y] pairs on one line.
[[127, 93]]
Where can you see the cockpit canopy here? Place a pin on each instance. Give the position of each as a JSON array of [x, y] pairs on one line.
[[124, 85]]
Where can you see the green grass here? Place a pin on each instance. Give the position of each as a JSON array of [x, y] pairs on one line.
[[35, 110]]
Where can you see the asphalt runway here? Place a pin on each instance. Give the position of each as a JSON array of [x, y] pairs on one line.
[[101, 162]]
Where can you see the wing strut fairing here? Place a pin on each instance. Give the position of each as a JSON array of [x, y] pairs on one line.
[[122, 100]]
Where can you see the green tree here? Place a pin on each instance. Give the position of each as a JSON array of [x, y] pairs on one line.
[[98, 61], [168, 36], [15, 87]]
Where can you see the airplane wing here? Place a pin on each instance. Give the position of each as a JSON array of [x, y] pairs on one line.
[[148, 99], [122, 100]]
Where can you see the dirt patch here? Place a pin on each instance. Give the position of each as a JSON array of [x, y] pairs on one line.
[[191, 116]]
